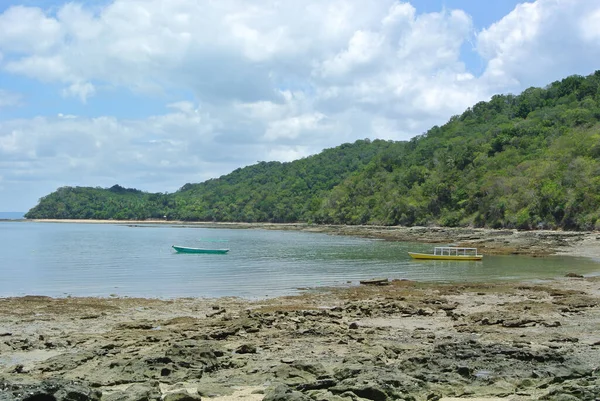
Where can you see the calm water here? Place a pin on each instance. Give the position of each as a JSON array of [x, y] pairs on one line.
[[60, 259], [11, 215]]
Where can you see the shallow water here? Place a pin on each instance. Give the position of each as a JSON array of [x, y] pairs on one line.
[[62, 259]]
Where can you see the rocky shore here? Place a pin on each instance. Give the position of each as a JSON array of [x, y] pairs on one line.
[[398, 340]]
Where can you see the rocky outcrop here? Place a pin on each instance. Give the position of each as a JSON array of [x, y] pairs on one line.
[[402, 341]]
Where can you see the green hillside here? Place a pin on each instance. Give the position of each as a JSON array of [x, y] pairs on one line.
[[526, 161], [273, 192]]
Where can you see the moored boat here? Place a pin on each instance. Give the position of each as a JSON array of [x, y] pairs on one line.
[[185, 249], [449, 253]]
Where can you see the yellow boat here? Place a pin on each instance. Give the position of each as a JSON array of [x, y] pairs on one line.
[[449, 253]]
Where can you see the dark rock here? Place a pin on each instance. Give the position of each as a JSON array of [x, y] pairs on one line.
[[376, 281], [246, 349], [193, 354], [215, 313], [225, 332], [185, 360], [369, 391], [50, 390], [575, 275], [318, 385], [464, 371]]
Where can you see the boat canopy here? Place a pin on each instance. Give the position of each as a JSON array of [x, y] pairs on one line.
[[454, 251]]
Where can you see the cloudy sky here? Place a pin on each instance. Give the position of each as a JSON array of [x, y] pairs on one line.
[[153, 94]]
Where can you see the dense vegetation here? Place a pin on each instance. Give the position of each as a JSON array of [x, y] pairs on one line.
[[276, 192], [526, 161]]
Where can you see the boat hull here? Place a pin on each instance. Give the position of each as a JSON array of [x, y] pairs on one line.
[[428, 256], [183, 249]]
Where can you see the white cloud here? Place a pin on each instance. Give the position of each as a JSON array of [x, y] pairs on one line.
[[590, 27], [44, 68], [82, 90], [362, 49], [540, 42], [293, 127], [287, 153], [98, 151], [9, 98], [28, 30], [269, 80]]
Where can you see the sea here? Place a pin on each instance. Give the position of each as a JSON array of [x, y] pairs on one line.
[[129, 260], [11, 215]]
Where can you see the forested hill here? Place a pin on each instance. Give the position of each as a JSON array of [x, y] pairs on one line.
[[526, 161], [273, 191]]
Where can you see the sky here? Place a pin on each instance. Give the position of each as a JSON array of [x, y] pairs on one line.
[[154, 94]]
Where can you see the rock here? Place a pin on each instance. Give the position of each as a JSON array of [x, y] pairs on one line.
[[181, 396], [518, 322], [369, 391], [464, 371], [347, 371], [135, 392], [318, 385], [562, 397], [316, 369], [376, 281], [216, 312], [246, 349], [324, 395], [298, 372], [353, 326], [434, 396], [50, 390], [281, 392], [225, 332], [575, 275], [141, 325], [68, 361]]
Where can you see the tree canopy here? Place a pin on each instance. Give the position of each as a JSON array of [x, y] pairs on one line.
[[527, 161]]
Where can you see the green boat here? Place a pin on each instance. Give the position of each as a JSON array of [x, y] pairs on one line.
[[185, 249]]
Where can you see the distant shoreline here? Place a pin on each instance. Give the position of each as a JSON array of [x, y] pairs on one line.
[[488, 241]]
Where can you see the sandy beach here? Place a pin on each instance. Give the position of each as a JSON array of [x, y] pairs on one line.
[[399, 341]]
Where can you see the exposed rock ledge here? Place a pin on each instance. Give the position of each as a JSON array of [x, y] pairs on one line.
[[402, 341]]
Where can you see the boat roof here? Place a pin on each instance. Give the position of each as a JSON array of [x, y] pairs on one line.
[[455, 247]]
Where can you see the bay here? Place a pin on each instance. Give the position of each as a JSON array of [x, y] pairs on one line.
[[11, 215], [81, 259]]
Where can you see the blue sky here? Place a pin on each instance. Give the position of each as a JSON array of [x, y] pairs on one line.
[[155, 94]]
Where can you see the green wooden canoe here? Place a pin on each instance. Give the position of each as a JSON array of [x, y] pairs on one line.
[[185, 249]]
